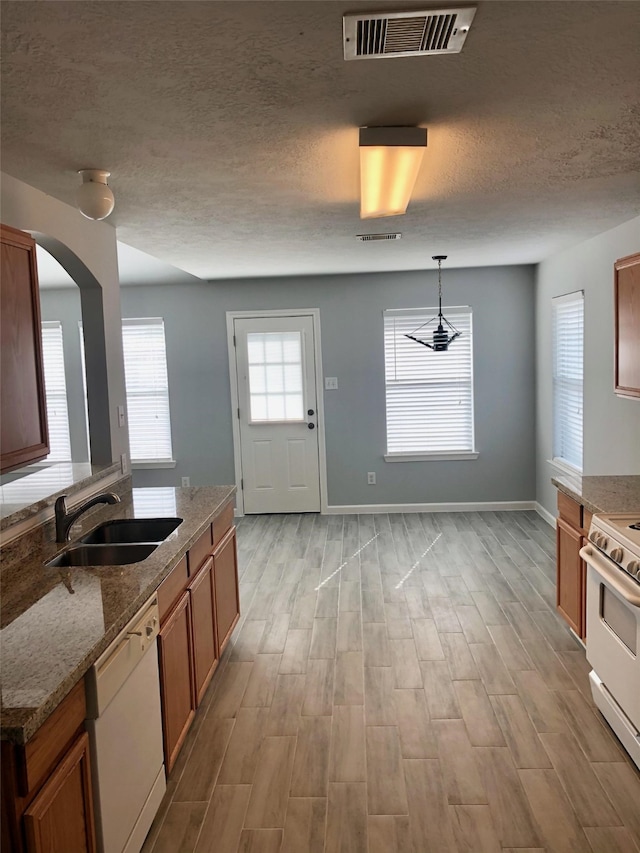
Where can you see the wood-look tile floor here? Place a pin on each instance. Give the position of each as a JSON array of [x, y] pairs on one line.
[[399, 684]]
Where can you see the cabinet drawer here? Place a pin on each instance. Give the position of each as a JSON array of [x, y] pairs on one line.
[[199, 551], [172, 587], [570, 511], [51, 740], [222, 523]]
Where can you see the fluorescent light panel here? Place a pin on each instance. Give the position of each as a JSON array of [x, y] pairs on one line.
[[390, 159]]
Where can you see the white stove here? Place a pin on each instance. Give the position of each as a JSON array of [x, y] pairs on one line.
[[618, 536], [613, 622]]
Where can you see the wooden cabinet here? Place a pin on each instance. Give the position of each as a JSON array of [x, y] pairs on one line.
[[46, 785], [570, 577], [61, 816], [627, 326], [23, 416], [571, 529], [205, 646], [177, 686], [199, 609], [225, 575]]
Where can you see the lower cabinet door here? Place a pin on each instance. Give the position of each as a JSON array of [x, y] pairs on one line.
[[177, 687], [205, 657], [225, 576], [570, 576], [61, 817]]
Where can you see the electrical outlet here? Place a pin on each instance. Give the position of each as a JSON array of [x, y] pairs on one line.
[[124, 464], [371, 478], [330, 383], [186, 482]]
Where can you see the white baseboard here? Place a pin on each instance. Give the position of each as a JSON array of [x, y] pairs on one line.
[[364, 509], [543, 513]]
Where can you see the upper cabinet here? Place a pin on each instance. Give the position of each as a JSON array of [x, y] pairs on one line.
[[627, 316], [24, 436]]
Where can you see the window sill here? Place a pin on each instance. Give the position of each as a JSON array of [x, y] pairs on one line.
[[430, 457], [565, 467], [153, 463]]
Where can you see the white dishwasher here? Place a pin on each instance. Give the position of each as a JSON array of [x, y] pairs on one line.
[[125, 732]]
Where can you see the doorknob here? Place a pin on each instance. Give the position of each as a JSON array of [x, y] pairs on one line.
[[311, 426], [310, 412]]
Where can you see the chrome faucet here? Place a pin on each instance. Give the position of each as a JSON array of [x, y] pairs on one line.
[[65, 518]]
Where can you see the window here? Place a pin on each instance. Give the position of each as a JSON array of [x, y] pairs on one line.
[[429, 394], [145, 367], [55, 392], [275, 376], [568, 346]]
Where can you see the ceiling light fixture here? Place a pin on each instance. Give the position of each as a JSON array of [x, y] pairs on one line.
[[390, 159], [441, 336], [94, 197]]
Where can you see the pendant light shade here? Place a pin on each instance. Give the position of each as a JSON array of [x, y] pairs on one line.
[[94, 197], [446, 332]]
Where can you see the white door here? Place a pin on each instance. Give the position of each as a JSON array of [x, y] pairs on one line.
[[275, 366]]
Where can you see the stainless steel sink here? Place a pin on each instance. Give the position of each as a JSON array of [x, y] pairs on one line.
[[126, 530], [104, 555]]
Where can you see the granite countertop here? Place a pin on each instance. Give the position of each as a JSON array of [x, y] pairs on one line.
[[56, 622], [602, 494]]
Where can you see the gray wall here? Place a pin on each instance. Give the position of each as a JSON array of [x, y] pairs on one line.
[[351, 308], [611, 423], [351, 329]]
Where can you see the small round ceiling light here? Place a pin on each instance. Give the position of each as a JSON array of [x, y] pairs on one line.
[[94, 197]]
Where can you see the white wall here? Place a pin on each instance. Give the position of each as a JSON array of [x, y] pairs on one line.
[[87, 250], [611, 423]]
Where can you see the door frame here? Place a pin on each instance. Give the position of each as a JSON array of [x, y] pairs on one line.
[[314, 313]]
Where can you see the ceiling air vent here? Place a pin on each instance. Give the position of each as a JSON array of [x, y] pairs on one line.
[[384, 34], [366, 238]]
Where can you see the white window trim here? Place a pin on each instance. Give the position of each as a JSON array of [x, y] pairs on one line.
[[559, 462], [160, 462], [51, 459], [154, 463], [433, 457], [462, 456]]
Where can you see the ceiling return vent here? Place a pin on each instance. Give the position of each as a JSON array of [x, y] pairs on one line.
[[385, 34], [366, 238]]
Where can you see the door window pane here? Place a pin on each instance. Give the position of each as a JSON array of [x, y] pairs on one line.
[[275, 376]]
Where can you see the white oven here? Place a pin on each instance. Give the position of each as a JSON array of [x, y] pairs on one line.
[[613, 624]]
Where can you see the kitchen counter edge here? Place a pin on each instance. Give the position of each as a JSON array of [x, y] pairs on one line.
[[607, 494]]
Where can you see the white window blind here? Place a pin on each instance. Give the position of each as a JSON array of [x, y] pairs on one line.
[[145, 367], [56, 392], [568, 350], [429, 394]]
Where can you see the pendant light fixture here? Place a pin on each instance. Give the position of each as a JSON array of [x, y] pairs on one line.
[[442, 336]]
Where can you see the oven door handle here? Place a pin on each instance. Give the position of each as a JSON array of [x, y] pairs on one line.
[[615, 577]]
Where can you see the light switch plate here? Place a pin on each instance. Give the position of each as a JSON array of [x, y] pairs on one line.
[[120, 416], [330, 383]]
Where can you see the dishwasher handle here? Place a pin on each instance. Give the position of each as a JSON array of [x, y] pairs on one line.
[[117, 663]]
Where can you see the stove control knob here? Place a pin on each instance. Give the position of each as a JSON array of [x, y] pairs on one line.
[[602, 542], [616, 554], [593, 536], [633, 567]]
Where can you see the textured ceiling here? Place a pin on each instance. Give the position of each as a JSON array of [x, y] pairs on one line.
[[230, 129]]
